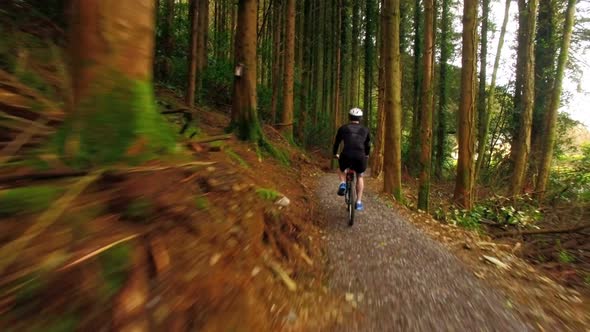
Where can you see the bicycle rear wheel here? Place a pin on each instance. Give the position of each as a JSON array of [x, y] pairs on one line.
[[351, 202]]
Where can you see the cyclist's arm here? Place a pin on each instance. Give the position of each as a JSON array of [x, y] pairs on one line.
[[337, 142], [368, 143]]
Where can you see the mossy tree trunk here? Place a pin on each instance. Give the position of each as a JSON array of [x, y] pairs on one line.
[[392, 107], [114, 118], [244, 113], [551, 117], [466, 114], [482, 124]]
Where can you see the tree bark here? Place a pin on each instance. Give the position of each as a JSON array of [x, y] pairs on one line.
[[244, 112], [392, 109], [192, 70], [463, 185], [369, 58], [377, 157], [549, 137], [426, 109], [276, 79], [287, 116], [113, 116], [522, 144]]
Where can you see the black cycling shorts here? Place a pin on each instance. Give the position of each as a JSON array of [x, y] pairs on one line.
[[356, 163]]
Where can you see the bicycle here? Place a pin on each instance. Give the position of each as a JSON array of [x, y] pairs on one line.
[[349, 195]]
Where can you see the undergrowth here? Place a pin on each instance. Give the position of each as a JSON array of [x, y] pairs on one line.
[[27, 200], [268, 194]]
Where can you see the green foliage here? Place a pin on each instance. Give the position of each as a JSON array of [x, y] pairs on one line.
[[268, 194], [140, 209], [27, 200], [277, 153], [571, 183], [217, 89], [264, 100], [236, 157], [520, 212], [115, 264], [565, 257], [201, 203]]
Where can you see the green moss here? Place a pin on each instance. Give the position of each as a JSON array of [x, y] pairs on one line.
[[565, 257], [64, 323], [201, 203], [27, 200], [268, 194], [275, 152], [236, 157], [118, 122], [115, 264], [139, 209]]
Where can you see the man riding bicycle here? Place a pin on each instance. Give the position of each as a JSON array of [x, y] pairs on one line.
[[355, 153]]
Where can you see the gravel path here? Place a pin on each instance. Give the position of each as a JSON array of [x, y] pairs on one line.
[[401, 280]]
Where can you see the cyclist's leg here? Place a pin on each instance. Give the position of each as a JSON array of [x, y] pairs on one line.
[[360, 166], [343, 164]]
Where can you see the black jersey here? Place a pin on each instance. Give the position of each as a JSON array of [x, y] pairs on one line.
[[356, 138]]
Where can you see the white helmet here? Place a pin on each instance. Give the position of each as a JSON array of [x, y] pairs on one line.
[[356, 112]]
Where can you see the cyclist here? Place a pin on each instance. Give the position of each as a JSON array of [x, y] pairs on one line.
[[355, 153]]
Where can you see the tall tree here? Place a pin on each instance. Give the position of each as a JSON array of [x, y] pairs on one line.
[[287, 115], [446, 49], [482, 124], [244, 112], [355, 59], [426, 109], [203, 36], [276, 49], [369, 59], [521, 146], [392, 106], [414, 149], [464, 180], [113, 117], [551, 117], [192, 69], [492, 94], [546, 48], [377, 156]]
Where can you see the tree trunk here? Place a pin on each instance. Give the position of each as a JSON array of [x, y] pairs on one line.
[[463, 185], [203, 32], [445, 54], [426, 109], [244, 112], [192, 68], [369, 58], [287, 116], [549, 137], [376, 161], [414, 149], [276, 79], [492, 94], [392, 111], [481, 96], [354, 68], [522, 145], [546, 41], [113, 118]]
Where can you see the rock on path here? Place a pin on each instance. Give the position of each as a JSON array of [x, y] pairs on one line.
[[400, 279]]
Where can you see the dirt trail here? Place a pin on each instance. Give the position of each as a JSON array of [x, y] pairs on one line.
[[400, 279]]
